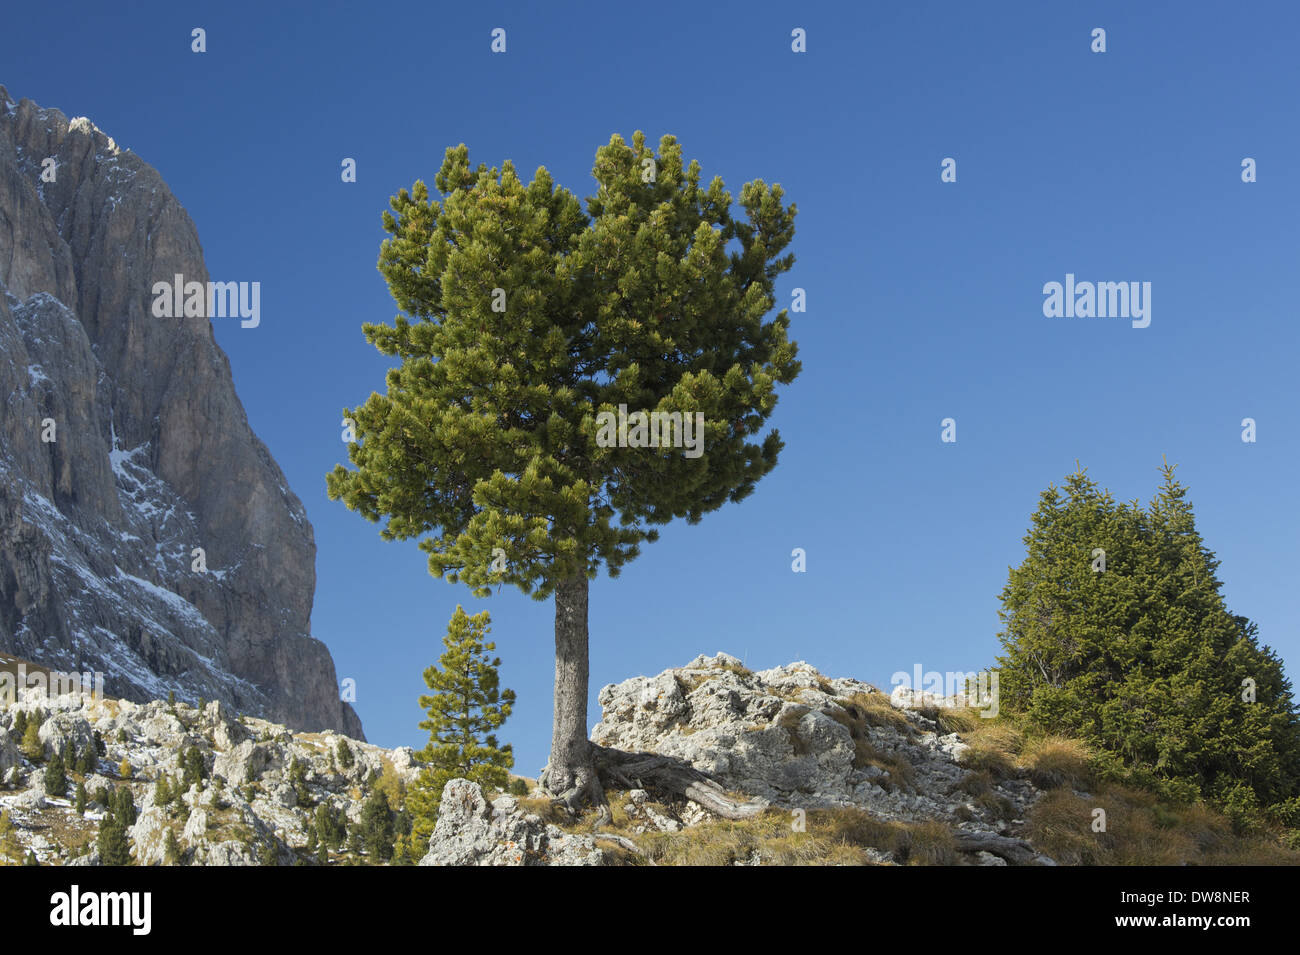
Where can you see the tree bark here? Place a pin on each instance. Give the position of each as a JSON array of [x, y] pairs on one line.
[[1015, 851], [570, 775]]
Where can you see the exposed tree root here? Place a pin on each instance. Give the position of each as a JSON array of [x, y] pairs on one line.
[[671, 776], [1015, 851], [623, 841]]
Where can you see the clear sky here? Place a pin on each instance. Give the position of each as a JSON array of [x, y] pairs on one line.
[[925, 298]]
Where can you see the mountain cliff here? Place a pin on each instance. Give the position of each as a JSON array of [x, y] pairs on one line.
[[145, 531]]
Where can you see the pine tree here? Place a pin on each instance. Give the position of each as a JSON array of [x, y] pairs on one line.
[[79, 799], [20, 723], [344, 753], [124, 768], [125, 810], [1143, 660], [171, 848], [377, 826], [31, 858], [298, 780], [330, 827], [114, 846], [86, 759], [528, 325], [192, 767], [465, 709], [56, 778], [313, 841]]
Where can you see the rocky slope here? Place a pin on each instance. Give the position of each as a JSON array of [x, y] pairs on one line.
[[150, 456], [247, 808], [786, 740]]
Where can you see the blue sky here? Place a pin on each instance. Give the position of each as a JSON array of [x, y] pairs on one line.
[[924, 298]]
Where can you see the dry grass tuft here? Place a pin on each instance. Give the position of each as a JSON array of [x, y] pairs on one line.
[[1055, 761]]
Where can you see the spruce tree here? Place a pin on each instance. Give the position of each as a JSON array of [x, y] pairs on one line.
[[466, 707], [528, 326], [1143, 659], [79, 799]]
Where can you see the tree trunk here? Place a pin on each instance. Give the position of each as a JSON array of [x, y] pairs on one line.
[[571, 773]]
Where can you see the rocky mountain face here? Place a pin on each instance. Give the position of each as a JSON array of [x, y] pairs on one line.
[[145, 531]]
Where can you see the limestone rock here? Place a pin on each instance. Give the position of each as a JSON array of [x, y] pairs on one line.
[[470, 831], [798, 739], [152, 455]]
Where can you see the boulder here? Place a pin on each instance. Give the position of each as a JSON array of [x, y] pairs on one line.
[[470, 831]]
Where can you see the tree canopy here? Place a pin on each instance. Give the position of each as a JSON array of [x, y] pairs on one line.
[[525, 319]]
